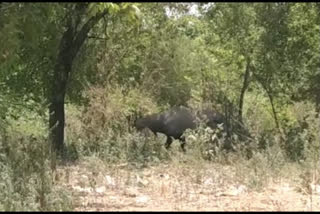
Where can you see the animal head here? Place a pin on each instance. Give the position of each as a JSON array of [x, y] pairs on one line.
[[154, 122], [140, 124]]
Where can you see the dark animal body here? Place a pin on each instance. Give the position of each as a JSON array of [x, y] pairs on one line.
[[175, 121]]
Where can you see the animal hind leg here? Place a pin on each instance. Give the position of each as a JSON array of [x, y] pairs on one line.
[[183, 147]]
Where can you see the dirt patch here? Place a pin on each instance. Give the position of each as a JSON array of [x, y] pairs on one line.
[[172, 188]]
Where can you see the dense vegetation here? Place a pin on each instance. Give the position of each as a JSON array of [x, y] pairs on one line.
[[74, 77]]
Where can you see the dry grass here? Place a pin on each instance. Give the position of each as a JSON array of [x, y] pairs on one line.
[[200, 186]]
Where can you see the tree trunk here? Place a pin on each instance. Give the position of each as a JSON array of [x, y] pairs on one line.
[[70, 44], [282, 138], [56, 123], [243, 90], [58, 88], [272, 106], [273, 110], [56, 107]]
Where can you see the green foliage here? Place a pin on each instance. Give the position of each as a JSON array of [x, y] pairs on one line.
[[207, 144]]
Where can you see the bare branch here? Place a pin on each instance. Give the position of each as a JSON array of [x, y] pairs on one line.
[[97, 37]]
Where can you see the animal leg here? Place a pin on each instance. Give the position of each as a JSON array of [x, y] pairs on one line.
[[183, 143], [168, 143]]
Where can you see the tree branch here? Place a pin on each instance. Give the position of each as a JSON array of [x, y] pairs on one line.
[[245, 85], [80, 10], [82, 34], [96, 37], [268, 91]]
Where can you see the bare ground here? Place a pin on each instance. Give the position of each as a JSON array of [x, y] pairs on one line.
[[175, 187]]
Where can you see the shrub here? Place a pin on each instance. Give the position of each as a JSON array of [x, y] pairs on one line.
[[105, 126], [26, 179]]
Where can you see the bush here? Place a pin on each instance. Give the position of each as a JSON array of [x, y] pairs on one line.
[[26, 179], [301, 128], [105, 126]]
